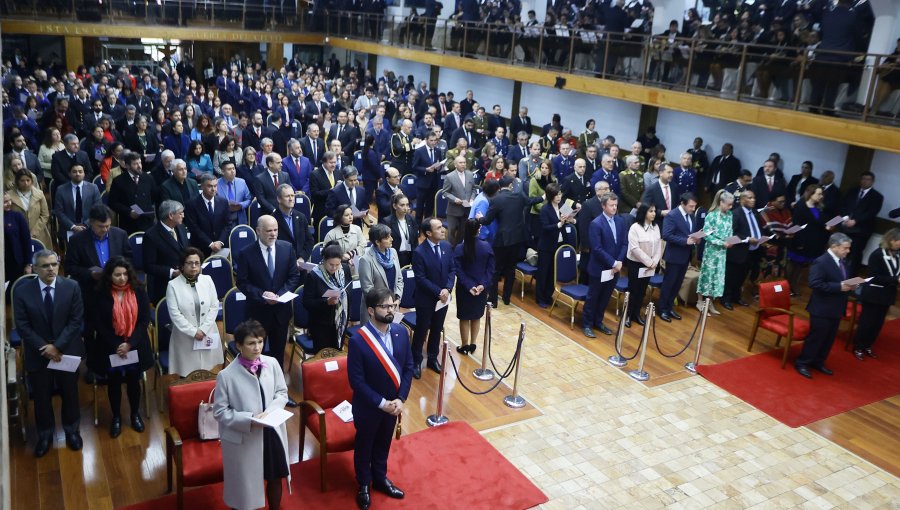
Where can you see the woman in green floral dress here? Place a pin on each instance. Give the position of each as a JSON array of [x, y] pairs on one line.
[[718, 228]]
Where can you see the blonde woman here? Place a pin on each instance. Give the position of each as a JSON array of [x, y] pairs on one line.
[[718, 228]]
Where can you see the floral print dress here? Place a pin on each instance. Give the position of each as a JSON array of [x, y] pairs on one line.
[[712, 271]]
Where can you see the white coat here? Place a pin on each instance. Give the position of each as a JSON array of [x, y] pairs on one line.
[[183, 359], [236, 400]]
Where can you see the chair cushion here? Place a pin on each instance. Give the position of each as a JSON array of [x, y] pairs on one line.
[[778, 324], [15, 339], [526, 268], [305, 342], [849, 312], [656, 280], [164, 361], [409, 318], [622, 284], [575, 291], [327, 388], [202, 462], [340, 435], [184, 400]]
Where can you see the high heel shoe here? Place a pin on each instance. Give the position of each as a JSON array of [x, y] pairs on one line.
[[462, 349], [472, 348]]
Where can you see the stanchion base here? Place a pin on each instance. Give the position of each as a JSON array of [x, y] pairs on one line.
[[617, 361], [639, 375], [436, 420], [483, 374], [514, 401], [690, 367]]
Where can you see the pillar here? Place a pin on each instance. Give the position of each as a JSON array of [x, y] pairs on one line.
[[74, 47], [274, 55], [883, 41]]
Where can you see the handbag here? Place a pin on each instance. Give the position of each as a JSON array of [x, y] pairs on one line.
[[207, 425]]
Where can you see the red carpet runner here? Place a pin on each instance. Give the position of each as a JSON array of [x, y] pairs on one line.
[[445, 467], [795, 401]]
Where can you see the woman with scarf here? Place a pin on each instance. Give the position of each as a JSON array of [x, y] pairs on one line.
[[253, 455], [379, 266], [327, 315], [193, 305], [120, 314]]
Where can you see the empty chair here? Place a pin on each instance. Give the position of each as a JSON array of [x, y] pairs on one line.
[[565, 275]]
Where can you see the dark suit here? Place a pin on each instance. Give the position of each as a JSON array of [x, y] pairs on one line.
[[548, 242], [590, 209], [675, 232], [299, 176], [412, 237], [63, 330], [62, 162], [249, 138], [253, 279], [427, 183], [162, 254], [722, 170], [864, 211], [315, 157], [181, 193], [383, 196], [742, 259], [516, 153], [794, 188], [433, 274], [266, 194], [826, 307], [831, 203], [508, 208], [81, 255], [341, 196], [349, 138], [876, 297], [124, 192], [207, 228], [296, 233], [606, 250], [760, 188], [517, 124], [654, 196], [371, 382], [320, 190], [576, 189]]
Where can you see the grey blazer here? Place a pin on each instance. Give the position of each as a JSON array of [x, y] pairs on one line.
[[371, 276], [64, 205], [453, 189], [63, 329]]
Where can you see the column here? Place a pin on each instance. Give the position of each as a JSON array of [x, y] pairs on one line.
[[882, 42], [274, 55], [74, 46]]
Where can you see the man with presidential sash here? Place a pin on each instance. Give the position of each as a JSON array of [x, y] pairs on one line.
[[380, 368]]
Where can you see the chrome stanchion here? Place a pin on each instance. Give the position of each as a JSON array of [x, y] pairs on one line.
[[691, 366], [515, 400], [640, 374], [484, 373], [618, 360], [438, 417]]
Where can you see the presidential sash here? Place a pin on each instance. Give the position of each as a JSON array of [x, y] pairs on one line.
[[380, 354]]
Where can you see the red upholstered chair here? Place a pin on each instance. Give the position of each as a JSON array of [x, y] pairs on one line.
[[196, 462], [324, 389], [775, 315], [854, 308]]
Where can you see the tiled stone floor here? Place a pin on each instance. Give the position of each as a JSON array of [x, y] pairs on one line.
[[605, 441]]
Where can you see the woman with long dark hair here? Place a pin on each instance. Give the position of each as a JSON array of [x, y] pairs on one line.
[[555, 230], [474, 268], [879, 294], [371, 170], [404, 230], [644, 252]]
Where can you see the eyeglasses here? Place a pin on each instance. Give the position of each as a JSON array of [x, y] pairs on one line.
[[386, 307], [191, 263]]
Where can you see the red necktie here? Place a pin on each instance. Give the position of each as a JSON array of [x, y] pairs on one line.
[[275, 177]]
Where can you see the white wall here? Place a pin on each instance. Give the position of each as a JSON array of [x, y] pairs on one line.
[[752, 145], [402, 68], [886, 167], [614, 117], [489, 90]]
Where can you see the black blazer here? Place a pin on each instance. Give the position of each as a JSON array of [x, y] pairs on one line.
[[654, 195], [412, 231], [575, 190], [321, 314], [825, 279], [421, 161], [306, 143], [792, 187], [35, 328], [123, 193], [162, 253], [133, 143], [253, 279], [300, 239], [509, 209], [831, 203], [516, 125], [863, 211], [349, 138], [81, 255], [320, 190], [727, 170], [61, 163], [339, 196], [106, 341], [548, 239], [249, 138], [383, 196], [809, 242], [590, 209], [205, 229], [737, 254], [884, 270], [265, 189], [761, 188]]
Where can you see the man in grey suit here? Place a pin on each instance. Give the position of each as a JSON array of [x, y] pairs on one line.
[[73, 202], [48, 317], [459, 189]]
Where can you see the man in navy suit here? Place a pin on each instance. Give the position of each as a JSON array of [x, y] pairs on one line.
[[662, 193], [208, 218], [380, 370], [426, 165], [679, 224], [265, 270], [267, 181], [435, 271], [862, 205], [293, 226], [89, 250], [609, 241], [348, 192], [298, 166], [826, 306], [48, 316]]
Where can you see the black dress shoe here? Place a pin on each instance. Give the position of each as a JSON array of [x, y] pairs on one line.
[[588, 332], [728, 306], [472, 348], [363, 500], [666, 317], [675, 316], [639, 321], [824, 370], [743, 303], [389, 488], [417, 371], [42, 447], [627, 322], [858, 354], [462, 349], [115, 428], [804, 372], [869, 353], [603, 329], [291, 402], [137, 423], [506, 302], [434, 365], [73, 441]]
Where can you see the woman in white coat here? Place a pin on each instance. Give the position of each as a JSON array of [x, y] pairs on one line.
[[193, 304], [379, 266], [253, 455]]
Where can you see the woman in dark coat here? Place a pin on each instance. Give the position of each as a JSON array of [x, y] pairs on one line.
[[327, 316], [474, 259], [404, 229], [809, 243], [120, 314], [879, 294], [16, 244], [556, 230]]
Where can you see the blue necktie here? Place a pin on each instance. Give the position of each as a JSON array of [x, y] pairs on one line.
[[612, 228], [231, 191], [48, 303], [270, 262], [437, 252]]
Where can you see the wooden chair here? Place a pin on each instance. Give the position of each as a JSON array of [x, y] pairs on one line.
[[323, 389], [568, 291], [195, 462], [775, 315], [854, 308]]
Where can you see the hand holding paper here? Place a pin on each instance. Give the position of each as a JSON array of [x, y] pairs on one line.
[[272, 418]]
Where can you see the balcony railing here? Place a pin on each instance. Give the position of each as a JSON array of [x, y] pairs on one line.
[[794, 78]]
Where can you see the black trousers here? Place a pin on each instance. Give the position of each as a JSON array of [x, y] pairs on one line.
[[637, 288], [132, 379], [424, 203], [544, 281], [43, 383], [736, 274], [857, 246], [371, 447], [276, 334], [429, 324], [672, 281], [505, 260], [869, 325], [822, 331]]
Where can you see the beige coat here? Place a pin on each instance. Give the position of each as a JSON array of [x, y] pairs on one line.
[[38, 214], [236, 400], [183, 359]]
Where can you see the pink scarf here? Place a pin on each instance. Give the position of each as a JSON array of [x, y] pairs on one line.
[[252, 366]]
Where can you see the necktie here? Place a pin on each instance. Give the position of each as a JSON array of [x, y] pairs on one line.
[[862, 193], [330, 178], [297, 164], [231, 191], [48, 302], [687, 219], [257, 132], [275, 179], [668, 198], [352, 196], [137, 179], [209, 207], [840, 264], [79, 206], [612, 228], [770, 183], [315, 152], [339, 129], [431, 155], [174, 235], [437, 252], [270, 262]]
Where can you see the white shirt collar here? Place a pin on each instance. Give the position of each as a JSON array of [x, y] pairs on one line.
[[52, 285]]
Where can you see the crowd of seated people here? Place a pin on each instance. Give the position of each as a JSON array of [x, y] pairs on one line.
[[183, 163]]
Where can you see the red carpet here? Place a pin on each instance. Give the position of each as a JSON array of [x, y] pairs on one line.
[[795, 401], [445, 467]]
